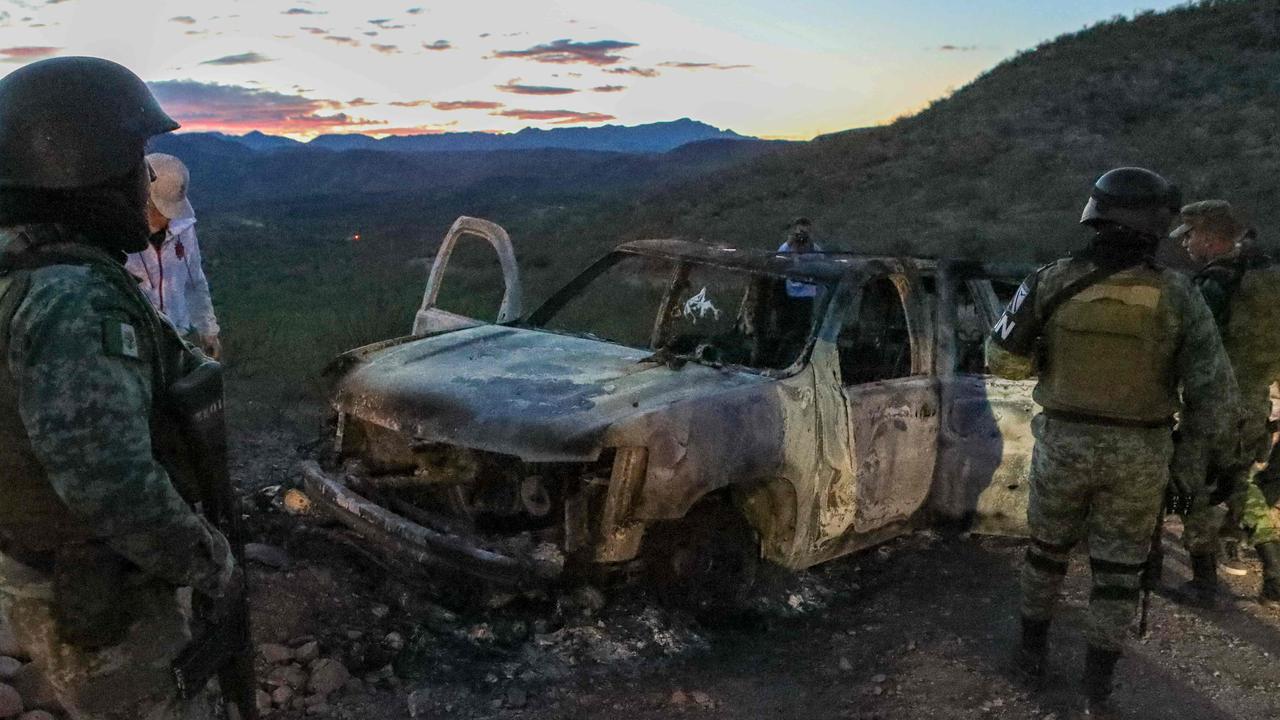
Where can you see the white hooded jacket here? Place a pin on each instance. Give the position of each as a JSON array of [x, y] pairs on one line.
[[172, 277]]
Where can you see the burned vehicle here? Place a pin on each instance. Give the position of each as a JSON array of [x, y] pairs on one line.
[[677, 402]]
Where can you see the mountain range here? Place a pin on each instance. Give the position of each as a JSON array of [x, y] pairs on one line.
[[648, 138]]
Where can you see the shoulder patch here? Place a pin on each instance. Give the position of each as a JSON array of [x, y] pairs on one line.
[[120, 339]]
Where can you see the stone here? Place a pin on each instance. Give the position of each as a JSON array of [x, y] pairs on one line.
[[296, 502], [845, 665], [275, 654], [10, 702], [307, 652], [394, 641], [328, 675], [589, 599], [281, 696], [36, 692], [268, 555], [878, 678], [678, 699], [262, 700], [319, 709], [9, 667], [291, 675], [380, 611], [419, 702], [702, 700]]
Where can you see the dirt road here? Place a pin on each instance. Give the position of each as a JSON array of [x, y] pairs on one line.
[[919, 628]]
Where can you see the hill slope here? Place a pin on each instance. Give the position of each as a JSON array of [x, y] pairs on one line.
[[1002, 167]]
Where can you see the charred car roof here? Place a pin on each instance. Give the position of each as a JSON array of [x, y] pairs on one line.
[[822, 266]]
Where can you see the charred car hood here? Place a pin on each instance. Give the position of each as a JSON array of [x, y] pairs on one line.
[[533, 394]]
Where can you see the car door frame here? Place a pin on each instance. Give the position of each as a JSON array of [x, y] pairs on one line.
[[431, 319], [859, 508]]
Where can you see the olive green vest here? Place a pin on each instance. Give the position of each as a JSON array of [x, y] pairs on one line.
[[1251, 334], [1108, 352], [34, 522]]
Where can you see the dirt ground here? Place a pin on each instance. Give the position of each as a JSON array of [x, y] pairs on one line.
[[919, 628]]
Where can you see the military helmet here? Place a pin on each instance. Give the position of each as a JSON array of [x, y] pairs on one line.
[[1135, 198], [169, 189], [74, 122]]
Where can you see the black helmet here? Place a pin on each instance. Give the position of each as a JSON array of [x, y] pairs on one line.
[[74, 122], [1135, 198]]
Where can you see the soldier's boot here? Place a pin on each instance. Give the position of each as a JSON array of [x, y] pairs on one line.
[[1202, 590], [1029, 658], [1269, 553], [1099, 671]]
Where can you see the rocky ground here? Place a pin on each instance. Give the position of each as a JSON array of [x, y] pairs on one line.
[[919, 628]]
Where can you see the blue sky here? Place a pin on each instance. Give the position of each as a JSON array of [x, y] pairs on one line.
[[773, 69]]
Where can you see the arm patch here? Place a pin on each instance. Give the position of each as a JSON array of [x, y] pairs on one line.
[[120, 339]]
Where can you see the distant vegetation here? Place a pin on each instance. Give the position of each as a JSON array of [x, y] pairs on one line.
[[1000, 169]]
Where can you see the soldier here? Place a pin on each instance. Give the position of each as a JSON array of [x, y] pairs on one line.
[[1242, 288], [95, 539], [1113, 337]]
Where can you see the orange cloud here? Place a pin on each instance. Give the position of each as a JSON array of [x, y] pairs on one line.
[[513, 86], [466, 105], [27, 53], [238, 109]]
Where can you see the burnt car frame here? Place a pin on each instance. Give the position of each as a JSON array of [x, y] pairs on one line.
[[514, 449]]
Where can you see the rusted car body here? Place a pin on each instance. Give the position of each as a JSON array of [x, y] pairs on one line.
[[833, 400]]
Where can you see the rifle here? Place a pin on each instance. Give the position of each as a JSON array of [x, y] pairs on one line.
[[1153, 571], [226, 646]]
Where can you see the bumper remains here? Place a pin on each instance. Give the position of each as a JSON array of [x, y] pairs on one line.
[[427, 547]]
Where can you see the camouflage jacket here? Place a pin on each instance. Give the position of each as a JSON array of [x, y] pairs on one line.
[[1243, 291], [1208, 394], [86, 356]]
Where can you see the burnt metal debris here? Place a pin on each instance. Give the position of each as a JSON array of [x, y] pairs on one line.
[[833, 400]]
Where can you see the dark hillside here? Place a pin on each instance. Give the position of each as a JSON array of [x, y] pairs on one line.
[[1003, 166]]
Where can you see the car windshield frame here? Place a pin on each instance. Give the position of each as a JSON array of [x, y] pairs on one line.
[[828, 287]]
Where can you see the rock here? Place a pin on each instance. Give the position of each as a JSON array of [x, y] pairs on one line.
[[380, 611], [319, 709], [9, 667], [262, 700], [355, 634], [268, 555], [281, 696], [589, 599], [37, 715], [328, 675], [291, 675], [516, 697], [10, 702], [702, 700], [678, 699], [845, 665], [36, 692], [394, 641], [307, 652], [9, 646], [296, 502], [878, 679], [275, 654]]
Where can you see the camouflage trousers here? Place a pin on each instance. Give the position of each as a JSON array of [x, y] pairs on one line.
[[1102, 485], [128, 681], [1247, 507]]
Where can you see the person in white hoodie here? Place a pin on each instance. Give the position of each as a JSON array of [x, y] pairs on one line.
[[169, 270]]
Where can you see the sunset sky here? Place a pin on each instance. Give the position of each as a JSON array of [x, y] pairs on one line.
[[774, 69]]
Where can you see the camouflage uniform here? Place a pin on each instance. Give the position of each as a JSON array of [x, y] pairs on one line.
[[84, 359], [1243, 290], [1104, 482]]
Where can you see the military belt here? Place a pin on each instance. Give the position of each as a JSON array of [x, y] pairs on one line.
[[1087, 419]]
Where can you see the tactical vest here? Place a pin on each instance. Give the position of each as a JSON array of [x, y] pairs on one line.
[[1108, 353], [34, 522], [1251, 331]]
